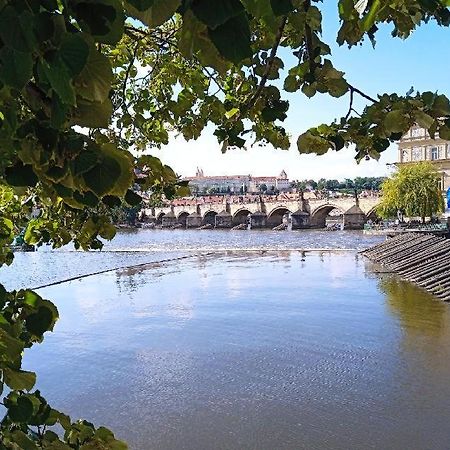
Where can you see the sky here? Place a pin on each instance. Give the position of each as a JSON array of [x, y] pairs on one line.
[[421, 61]]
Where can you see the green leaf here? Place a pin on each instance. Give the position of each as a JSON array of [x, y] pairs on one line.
[[16, 67], [85, 161], [346, 9], [60, 80], [19, 379], [337, 87], [219, 14], [309, 90], [232, 39], [396, 122], [93, 114], [441, 106], [103, 176], [107, 231], [125, 160], [291, 84], [194, 40], [31, 298], [74, 51], [157, 14], [20, 175], [281, 7], [444, 132], [10, 347], [40, 321], [103, 19], [258, 8], [23, 441], [111, 201], [16, 30], [232, 112], [314, 18], [94, 81], [113, 175], [87, 198], [309, 143], [423, 119], [132, 198], [141, 5], [22, 410]]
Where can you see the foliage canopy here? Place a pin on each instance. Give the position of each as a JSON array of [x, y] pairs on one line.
[[413, 191], [86, 84]]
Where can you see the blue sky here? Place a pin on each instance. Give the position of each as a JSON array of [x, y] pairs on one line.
[[422, 61]]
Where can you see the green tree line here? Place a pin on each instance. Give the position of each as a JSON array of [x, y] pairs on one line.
[[358, 183]]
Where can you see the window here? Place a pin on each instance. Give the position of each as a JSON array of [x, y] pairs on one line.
[[405, 155], [417, 132], [434, 153], [417, 154]]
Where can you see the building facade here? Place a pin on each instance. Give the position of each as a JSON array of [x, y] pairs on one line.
[[417, 145], [237, 184]]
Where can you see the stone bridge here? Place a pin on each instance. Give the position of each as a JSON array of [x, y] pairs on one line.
[[266, 214]]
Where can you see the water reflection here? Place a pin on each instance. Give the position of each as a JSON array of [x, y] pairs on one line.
[[419, 312]]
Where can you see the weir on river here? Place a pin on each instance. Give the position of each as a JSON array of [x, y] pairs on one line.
[[423, 259]]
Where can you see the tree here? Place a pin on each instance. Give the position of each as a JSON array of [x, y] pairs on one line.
[[84, 82], [332, 185], [321, 184], [263, 188], [312, 184], [413, 191]]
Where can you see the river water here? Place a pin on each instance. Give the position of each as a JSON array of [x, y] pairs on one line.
[[242, 340]]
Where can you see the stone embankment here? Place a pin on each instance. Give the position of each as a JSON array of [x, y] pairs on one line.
[[423, 259]]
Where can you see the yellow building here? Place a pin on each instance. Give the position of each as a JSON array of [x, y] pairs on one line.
[[417, 145]]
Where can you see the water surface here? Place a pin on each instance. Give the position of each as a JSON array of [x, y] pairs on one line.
[[273, 349]]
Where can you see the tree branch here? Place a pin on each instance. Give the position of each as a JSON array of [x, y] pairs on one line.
[[362, 94], [127, 74], [350, 108], [269, 65]]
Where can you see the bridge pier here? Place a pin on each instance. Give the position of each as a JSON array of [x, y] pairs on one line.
[[194, 220], [224, 220], [258, 219], [300, 219], [169, 220], [354, 218]]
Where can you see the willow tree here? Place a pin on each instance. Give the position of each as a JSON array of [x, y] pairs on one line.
[[87, 85], [413, 191]]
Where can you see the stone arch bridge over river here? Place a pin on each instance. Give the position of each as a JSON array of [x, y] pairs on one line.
[[311, 213]]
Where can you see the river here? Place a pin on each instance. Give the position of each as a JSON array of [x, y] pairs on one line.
[[239, 340]]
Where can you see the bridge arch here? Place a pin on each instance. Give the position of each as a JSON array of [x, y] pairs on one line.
[[275, 217], [159, 217], [209, 218], [240, 216], [181, 218], [319, 215]]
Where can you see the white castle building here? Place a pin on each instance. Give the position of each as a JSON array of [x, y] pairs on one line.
[[236, 184]]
